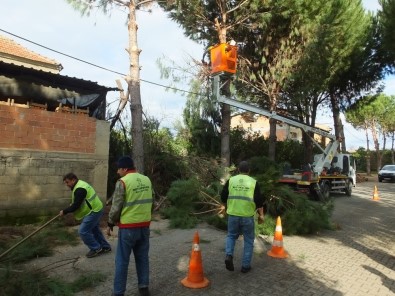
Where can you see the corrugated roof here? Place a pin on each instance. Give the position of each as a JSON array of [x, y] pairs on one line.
[[50, 79], [10, 47]]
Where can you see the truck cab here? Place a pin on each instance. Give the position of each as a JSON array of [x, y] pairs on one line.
[[338, 175]]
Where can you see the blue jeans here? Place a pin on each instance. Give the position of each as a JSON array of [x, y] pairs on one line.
[[246, 227], [90, 232], [136, 240]]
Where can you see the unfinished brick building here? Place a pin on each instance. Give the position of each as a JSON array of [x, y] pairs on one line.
[[49, 125]]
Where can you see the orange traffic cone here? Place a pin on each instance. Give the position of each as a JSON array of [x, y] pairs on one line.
[[277, 250], [375, 194], [195, 278]]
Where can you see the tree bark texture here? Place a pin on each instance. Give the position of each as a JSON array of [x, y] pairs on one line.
[[133, 81], [225, 135]]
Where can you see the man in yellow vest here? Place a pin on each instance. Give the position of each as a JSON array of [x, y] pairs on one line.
[[86, 206], [242, 196], [131, 212]]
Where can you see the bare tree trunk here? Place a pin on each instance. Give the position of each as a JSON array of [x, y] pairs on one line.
[[225, 135], [272, 139], [368, 169], [225, 111], [133, 81], [392, 148], [308, 148], [341, 134], [336, 118], [376, 144]]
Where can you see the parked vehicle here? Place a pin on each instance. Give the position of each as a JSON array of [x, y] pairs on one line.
[[387, 173]]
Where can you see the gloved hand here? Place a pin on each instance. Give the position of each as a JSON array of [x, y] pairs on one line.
[[110, 228], [110, 225]]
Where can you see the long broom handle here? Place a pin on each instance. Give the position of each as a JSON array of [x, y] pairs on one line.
[[30, 235]]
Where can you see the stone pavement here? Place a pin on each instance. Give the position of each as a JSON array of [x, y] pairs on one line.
[[356, 259]]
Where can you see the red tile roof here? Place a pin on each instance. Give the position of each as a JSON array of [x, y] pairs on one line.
[[10, 47]]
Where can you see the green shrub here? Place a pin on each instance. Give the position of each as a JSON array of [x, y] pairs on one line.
[[182, 195]]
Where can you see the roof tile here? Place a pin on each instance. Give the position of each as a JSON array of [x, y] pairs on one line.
[[10, 47]]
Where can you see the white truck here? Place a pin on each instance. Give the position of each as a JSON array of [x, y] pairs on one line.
[[330, 172]]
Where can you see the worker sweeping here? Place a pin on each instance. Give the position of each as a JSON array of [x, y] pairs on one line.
[[86, 206]]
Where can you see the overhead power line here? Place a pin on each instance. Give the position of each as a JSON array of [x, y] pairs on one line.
[[97, 66]]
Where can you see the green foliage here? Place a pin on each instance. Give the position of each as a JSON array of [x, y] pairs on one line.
[[200, 194], [182, 196], [36, 283], [120, 145], [244, 145], [39, 284], [162, 155], [307, 217], [299, 214], [267, 227], [40, 244], [387, 21], [219, 222]]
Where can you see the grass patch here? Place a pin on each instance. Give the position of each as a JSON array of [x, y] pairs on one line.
[[39, 284], [39, 245], [157, 231], [14, 282]]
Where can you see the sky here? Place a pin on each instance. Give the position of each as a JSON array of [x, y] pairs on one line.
[[102, 40]]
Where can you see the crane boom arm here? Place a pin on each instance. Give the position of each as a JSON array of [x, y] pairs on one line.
[[251, 108]]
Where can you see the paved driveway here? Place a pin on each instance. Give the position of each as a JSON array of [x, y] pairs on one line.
[[356, 259]]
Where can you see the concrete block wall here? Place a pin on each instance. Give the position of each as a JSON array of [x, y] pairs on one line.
[[37, 148]]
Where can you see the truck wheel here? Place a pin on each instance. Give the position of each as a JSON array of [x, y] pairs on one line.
[[325, 190], [348, 188]]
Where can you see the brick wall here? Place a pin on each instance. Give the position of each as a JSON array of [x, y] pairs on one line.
[[37, 148], [29, 128]]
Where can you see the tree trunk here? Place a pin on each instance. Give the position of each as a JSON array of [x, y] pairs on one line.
[[272, 139], [336, 118], [225, 135], [368, 169], [133, 81], [308, 149], [376, 144], [341, 133], [392, 148], [225, 110]]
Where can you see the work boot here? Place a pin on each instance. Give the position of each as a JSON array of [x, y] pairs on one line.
[[106, 250], [245, 269], [144, 291], [229, 263], [93, 253]]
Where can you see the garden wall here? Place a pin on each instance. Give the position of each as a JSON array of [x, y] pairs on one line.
[[38, 147]]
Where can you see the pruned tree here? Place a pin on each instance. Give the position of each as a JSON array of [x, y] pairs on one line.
[[212, 22], [133, 78]]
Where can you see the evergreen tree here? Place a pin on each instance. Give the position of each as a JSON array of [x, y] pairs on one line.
[[387, 21]]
